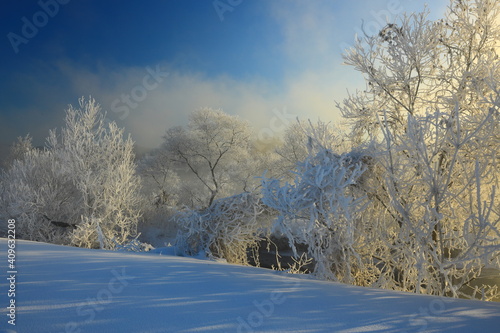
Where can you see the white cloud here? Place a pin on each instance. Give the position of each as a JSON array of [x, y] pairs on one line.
[[170, 102], [304, 94]]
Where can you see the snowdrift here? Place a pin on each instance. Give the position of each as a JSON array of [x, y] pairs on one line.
[[62, 289]]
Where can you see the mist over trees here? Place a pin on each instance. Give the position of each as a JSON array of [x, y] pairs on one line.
[[404, 197]]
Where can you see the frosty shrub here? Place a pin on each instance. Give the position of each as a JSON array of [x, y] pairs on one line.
[[84, 180], [226, 229], [133, 245], [320, 209], [36, 190]]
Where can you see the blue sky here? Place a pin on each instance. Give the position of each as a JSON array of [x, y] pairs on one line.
[[267, 61]]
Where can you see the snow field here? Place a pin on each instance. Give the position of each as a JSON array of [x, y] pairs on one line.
[[64, 289]]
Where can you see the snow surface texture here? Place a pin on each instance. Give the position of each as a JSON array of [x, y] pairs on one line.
[[63, 289]]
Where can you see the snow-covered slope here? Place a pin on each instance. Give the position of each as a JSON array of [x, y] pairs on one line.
[[63, 289]]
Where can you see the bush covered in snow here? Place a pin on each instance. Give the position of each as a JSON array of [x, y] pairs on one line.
[[36, 190], [320, 209], [226, 229]]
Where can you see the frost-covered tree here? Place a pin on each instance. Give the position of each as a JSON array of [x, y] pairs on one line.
[[418, 210], [298, 140], [445, 205], [160, 179], [432, 108], [84, 182], [22, 146], [417, 66], [17, 150], [101, 162], [162, 191], [213, 148]]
